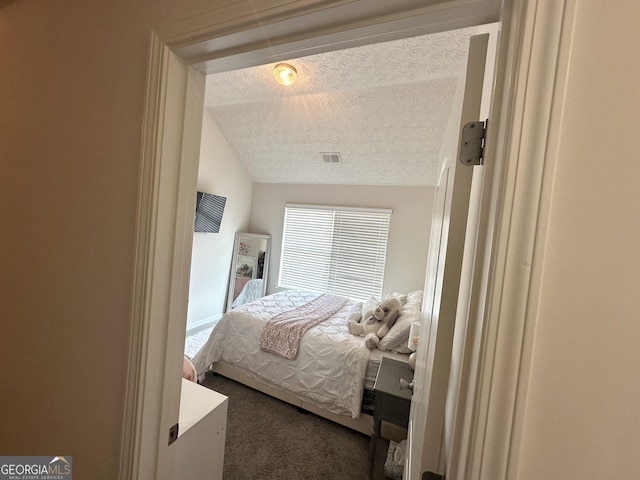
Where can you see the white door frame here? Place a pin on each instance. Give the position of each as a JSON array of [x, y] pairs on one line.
[[523, 138], [515, 201]]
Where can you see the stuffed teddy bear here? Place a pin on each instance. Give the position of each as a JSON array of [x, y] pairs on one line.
[[376, 323]]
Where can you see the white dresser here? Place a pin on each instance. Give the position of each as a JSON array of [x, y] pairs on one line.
[[200, 445]]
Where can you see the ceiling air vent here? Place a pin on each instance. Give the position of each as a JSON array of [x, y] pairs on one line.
[[331, 157]]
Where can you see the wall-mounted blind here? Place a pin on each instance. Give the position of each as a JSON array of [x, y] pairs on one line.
[[337, 250]]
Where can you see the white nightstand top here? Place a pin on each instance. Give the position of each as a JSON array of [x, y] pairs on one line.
[[196, 402]]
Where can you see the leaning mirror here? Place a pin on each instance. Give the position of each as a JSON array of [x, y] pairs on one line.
[[249, 268]]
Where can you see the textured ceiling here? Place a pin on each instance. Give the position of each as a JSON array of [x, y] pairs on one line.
[[383, 107]]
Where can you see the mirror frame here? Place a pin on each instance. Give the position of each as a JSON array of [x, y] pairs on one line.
[[234, 264]]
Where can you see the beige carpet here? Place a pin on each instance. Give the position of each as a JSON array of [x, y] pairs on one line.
[[269, 439]]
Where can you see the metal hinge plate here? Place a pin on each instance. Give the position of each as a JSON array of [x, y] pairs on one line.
[[173, 434], [472, 143]]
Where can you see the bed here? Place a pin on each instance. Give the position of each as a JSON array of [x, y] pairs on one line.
[[332, 373]]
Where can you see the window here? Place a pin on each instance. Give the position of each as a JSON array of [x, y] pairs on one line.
[[337, 250]]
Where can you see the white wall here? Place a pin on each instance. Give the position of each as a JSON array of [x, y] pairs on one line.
[[582, 409], [222, 174], [408, 232]]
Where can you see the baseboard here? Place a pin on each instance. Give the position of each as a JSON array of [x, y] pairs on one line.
[[205, 322]]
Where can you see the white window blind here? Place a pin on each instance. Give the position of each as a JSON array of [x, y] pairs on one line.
[[334, 249]]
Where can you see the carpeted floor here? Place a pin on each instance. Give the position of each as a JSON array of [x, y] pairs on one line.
[[271, 440]]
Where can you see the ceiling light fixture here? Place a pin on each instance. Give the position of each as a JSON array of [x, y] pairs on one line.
[[285, 74]]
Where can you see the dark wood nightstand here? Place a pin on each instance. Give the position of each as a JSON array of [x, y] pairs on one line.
[[391, 405]]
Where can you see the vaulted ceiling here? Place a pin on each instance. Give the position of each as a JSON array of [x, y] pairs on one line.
[[383, 107]]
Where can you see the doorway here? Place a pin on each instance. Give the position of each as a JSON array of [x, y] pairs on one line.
[[161, 282], [171, 156]]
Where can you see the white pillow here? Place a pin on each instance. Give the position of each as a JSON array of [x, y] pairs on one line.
[[355, 313], [398, 337], [370, 305], [400, 296]]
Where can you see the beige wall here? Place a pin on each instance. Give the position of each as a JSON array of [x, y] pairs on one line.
[[582, 410], [408, 232], [222, 174], [73, 87]]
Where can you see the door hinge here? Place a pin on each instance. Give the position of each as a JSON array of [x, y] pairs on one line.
[[472, 143], [432, 476], [173, 434]]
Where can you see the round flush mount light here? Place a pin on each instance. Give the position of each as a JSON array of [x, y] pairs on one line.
[[285, 74]]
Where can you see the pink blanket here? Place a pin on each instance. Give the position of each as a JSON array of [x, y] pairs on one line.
[[283, 332]]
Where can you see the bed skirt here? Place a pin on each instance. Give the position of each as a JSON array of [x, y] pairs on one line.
[[362, 424]]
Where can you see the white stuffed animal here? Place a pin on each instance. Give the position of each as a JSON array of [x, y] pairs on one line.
[[376, 323]]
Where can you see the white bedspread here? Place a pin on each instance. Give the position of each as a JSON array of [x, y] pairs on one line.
[[251, 291], [330, 367]]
